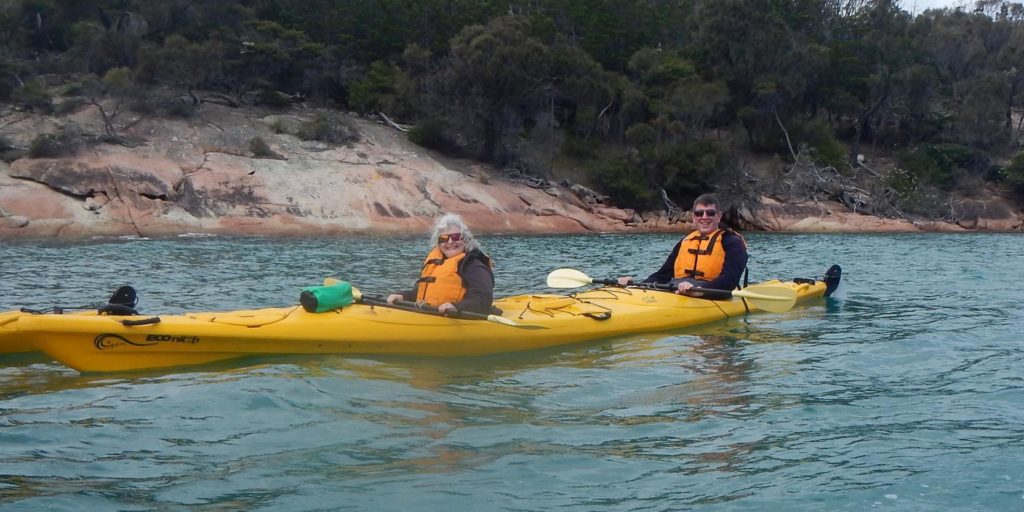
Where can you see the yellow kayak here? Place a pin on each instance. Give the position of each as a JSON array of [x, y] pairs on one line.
[[10, 341], [14, 341], [103, 343]]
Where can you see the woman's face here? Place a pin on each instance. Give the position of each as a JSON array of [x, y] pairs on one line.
[[451, 243]]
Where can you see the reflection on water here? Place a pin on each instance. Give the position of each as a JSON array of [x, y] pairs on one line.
[[903, 393]]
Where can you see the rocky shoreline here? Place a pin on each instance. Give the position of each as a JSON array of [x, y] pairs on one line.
[[200, 176]]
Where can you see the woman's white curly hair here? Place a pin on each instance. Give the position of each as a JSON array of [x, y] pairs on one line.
[[449, 221]]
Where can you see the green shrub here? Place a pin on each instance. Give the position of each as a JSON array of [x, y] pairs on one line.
[[9, 153], [917, 196], [818, 135], [75, 89], [579, 148], [330, 128], [690, 168], [376, 90], [433, 134], [902, 181], [936, 164], [641, 134], [12, 154], [34, 95], [69, 106], [279, 126], [145, 105], [260, 148], [814, 134], [271, 98], [1013, 175], [65, 142], [623, 181], [181, 109], [118, 80]]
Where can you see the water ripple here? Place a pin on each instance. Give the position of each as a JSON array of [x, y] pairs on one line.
[[904, 394]]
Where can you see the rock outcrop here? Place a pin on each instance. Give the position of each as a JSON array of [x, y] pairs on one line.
[[994, 214], [200, 175]]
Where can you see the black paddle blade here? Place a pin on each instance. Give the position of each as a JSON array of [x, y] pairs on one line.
[[308, 301], [832, 278], [124, 296], [117, 310]]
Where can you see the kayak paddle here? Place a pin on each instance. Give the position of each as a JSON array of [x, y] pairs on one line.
[[428, 309], [769, 298]]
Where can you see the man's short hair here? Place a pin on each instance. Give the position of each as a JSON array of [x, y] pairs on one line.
[[707, 199]]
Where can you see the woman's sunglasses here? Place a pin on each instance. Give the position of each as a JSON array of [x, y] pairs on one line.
[[454, 237], [705, 213]]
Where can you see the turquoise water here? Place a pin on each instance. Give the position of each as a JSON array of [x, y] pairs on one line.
[[904, 394]]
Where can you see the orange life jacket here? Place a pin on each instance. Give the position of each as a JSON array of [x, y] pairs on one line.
[[702, 257], [440, 281]]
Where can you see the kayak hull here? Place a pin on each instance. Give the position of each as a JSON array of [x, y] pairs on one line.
[[101, 343], [12, 341]]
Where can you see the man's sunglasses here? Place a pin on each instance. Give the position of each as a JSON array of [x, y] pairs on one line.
[[705, 213], [454, 237]]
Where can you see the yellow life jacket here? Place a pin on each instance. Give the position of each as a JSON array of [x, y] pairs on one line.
[[440, 281], [702, 257]]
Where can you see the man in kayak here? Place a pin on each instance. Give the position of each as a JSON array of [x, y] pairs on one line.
[[456, 275], [709, 257]]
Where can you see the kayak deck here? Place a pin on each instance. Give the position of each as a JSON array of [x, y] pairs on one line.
[[101, 343]]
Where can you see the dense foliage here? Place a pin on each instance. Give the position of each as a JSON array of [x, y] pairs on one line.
[[630, 96]]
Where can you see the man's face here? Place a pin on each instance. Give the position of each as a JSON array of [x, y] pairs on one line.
[[706, 217]]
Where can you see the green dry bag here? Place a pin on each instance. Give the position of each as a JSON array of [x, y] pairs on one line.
[[317, 299]]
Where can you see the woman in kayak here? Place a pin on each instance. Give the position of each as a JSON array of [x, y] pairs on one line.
[[456, 275], [710, 256]]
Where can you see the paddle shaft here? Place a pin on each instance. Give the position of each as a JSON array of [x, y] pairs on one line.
[[696, 291], [774, 299], [420, 308]]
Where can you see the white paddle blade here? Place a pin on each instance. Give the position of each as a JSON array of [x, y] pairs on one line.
[[775, 299], [568, 278]]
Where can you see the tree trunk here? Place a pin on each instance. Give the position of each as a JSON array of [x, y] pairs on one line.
[[491, 134], [1014, 84]]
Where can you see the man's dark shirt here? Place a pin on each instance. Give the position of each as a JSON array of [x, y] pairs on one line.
[[732, 269]]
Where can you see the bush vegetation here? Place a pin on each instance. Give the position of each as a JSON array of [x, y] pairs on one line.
[[328, 127], [64, 142], [260, 148], [644, 95]]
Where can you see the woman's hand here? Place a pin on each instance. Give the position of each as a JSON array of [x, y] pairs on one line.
[[447, 307], [393, 298], [625, 281], [683, 286]]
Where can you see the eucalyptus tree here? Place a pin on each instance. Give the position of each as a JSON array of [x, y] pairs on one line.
[[978, 60], [586, 99], [611, 31], [492, 72], [769, 72], [366, 31], [870, 59], [1010, 61]]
